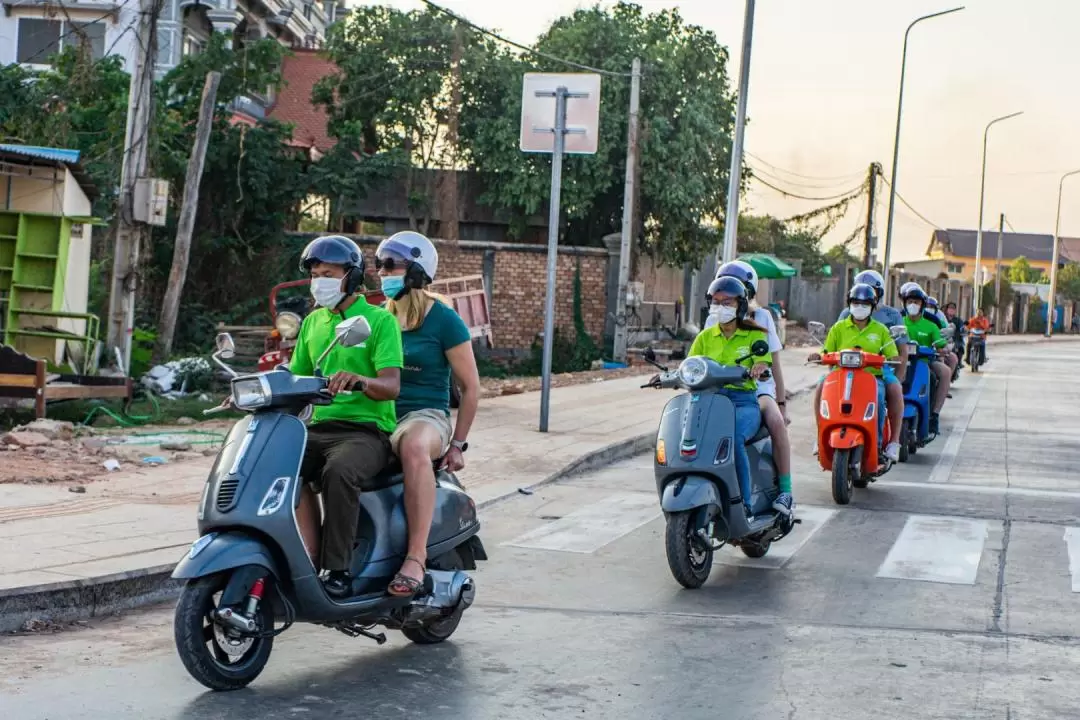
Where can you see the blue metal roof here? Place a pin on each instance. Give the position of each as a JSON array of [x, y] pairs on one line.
[[43, 153]]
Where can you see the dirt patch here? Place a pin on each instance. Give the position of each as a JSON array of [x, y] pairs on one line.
[[496, 387]]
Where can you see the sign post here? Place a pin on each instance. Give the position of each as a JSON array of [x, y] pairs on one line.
[[574, 131]]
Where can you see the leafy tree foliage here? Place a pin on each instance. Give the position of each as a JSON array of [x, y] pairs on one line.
[[1022, 272]]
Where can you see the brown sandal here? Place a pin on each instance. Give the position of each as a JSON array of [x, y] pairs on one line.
[[405, 586]]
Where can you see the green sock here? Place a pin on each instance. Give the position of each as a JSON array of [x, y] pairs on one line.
[[785, 484]]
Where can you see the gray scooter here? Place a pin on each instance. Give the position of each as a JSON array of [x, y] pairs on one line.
[[694, 465], [250, 567]]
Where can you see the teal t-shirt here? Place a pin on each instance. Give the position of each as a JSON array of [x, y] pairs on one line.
[[425, 377]]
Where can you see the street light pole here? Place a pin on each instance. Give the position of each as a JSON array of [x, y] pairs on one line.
[[731, 215], [896, 147], [1054, 263], [982, 196]]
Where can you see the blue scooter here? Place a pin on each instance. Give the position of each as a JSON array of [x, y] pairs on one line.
[[919, 386]]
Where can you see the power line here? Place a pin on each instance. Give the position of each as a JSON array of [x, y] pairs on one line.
[[519, 46], [918, 214], [844, 195], [760, 171], [761, 160]]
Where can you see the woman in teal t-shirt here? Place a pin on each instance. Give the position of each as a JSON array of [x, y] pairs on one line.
[[436, 343]]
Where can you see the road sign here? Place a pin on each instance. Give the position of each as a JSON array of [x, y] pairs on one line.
[[582, 112]]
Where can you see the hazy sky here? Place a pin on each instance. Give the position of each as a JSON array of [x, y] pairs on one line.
[[822, 103]]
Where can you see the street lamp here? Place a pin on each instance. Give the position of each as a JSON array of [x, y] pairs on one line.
[[982, 196], [896, 147], [1054, 263]]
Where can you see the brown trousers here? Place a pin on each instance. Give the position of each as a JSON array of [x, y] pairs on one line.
[[340, 460]]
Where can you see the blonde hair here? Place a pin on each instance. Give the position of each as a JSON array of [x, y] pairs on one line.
[[411, 309]]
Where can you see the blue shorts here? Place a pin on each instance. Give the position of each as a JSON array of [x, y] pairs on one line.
[[889, 375]]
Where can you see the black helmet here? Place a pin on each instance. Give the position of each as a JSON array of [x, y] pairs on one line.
[[873, 279], [863, 292], [336, 250], [732, 287], [914, 293]]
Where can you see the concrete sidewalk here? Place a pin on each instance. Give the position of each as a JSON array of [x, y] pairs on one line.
[[65, 555]]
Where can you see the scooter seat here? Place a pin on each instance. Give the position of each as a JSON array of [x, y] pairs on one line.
[[391, 475], [761, 434]]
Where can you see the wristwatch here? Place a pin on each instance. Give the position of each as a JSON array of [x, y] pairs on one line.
[[461, 445]]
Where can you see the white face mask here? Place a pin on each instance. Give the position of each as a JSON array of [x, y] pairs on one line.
[[722, 313], [327, 291], [859, 312], [914, 308]]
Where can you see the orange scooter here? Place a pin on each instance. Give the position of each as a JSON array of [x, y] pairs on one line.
[[847, 422]]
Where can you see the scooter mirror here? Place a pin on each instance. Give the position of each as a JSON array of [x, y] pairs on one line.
[[898, 331], [353, 331], [225, 346], [817, 330], [760, 348], [948, 333]]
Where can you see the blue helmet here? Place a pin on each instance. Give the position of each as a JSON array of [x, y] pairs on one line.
[[863, 292], [873, 279], [742, 271], [336, 250], [732, 287]]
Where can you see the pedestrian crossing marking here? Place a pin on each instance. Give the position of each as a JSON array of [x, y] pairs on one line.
[[936, 549], [590, 528], [1072, 543], [813, 519]]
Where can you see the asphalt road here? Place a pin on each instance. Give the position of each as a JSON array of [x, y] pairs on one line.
[[948, 589]]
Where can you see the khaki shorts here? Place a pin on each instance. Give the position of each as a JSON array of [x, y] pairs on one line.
[[435, 418]]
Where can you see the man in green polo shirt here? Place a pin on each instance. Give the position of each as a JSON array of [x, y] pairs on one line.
[[349, 439], [927, 333]]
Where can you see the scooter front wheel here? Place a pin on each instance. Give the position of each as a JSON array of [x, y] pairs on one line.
[[841, 476], [213, 657], [689, 556]]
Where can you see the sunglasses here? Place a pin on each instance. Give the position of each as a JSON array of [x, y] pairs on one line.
[[389, 263]]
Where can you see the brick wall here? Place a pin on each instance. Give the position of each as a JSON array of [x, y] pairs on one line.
[[516, 278]]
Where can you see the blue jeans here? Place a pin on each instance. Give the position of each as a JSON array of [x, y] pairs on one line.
[[747, 423], [882, 412]]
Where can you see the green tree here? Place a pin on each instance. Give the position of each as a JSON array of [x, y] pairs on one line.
[[1022, 272], [686, 121], [1068, 282], [768, 234], [988, 299]]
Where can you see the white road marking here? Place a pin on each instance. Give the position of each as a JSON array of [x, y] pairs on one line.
[[592, 527], [813, 518], [947, 459], [1072, 542], [984, 489], [936, 549]]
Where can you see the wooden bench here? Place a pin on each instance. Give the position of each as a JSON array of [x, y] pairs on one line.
[[25, 377]]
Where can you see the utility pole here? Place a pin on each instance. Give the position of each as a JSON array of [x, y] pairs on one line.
[[997, 273], [868, 247], [731, 217], [129, 232], [629, 194], [170, 307]]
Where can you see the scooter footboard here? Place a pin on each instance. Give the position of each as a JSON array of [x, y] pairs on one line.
[[688, 493], [215, 552]]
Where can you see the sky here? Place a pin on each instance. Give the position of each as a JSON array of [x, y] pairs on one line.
[[822, 102]]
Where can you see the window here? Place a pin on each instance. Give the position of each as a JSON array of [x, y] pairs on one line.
[[954, 267], [39, 39], [192, 45]]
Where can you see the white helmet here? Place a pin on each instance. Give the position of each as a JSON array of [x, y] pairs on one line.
[[744, 271], [415, 251]]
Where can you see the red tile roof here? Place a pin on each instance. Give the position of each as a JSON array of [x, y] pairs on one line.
[[293, 105]]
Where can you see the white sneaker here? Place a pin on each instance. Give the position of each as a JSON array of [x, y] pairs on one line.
[[892, 451]]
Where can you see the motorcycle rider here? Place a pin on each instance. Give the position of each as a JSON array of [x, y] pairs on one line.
[[860, 329], [771, 393], [926, 333], [728, 343], [349, 439], [958, 330], [980, 322], [436, 342], [933, 312]]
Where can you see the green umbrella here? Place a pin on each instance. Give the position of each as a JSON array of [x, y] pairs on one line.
[[768, 267]]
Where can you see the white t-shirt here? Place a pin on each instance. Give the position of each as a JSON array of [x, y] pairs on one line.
[[764, 318]]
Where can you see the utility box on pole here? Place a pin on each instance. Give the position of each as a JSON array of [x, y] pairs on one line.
[[560, 113], [151, 201]]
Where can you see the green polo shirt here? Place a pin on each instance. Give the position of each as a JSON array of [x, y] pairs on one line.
[[380, 351], [924, 331], [874, 338], [712, 343]]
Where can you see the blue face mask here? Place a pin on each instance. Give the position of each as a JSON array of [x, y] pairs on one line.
[[392, 285]]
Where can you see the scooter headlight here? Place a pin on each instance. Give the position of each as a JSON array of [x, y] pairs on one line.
[[250, 393], [288, 325], [692, 371], [851, 359]]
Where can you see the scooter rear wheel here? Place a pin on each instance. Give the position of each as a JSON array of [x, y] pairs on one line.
[[435, 631], [688, 557], [841, 477], [205, 648]]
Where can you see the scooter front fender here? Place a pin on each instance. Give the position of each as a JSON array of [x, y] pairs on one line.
[[845, 438], [689, 493], [223, 551]]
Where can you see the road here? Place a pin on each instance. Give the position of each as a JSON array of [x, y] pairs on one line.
[[948, 589]]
